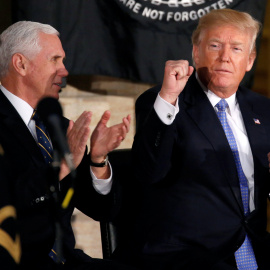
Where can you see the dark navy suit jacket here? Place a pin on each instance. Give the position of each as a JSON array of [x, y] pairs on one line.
[[192, 215]]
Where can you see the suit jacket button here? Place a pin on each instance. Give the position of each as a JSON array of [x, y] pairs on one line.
[[157, 139]]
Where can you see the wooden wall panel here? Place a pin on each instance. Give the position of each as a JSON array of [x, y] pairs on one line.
[[262, 72]]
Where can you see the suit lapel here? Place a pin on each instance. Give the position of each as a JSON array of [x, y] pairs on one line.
[[203, 114], [14, 125], [257, 138]]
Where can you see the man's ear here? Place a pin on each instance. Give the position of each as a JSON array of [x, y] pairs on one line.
[[195, 54], [251, 60], [20, 63]]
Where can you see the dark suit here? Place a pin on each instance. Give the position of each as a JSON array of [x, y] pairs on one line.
[[192, 214], [36, 210]]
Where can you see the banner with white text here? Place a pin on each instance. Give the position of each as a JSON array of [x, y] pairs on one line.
[[129, 39]]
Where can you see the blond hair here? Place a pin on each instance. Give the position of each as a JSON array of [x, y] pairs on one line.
[[219, 17]]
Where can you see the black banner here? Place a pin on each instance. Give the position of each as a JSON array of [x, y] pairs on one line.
[[129, 39]]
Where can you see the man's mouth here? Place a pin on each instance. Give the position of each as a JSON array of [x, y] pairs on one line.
[[223, 71]]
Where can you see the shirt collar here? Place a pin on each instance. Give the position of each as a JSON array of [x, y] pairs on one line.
[[214, 99], [22, 107]]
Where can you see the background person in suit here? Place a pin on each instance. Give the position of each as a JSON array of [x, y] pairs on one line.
[[31, 68], [204, 170], [10, 248]]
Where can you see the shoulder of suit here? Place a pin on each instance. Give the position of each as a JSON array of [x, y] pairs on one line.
[[252, 95], [149, 95], [259, 103]]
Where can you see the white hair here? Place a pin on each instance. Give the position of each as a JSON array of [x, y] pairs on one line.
[[21, 37]]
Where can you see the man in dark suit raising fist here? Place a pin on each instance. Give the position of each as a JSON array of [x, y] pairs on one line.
[[200, 153]]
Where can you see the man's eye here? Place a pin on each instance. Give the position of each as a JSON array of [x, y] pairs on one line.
[[54, 59], [238, 49], [214, 46]]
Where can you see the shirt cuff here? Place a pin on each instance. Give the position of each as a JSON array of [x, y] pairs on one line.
[[102, 186], [165, 110]]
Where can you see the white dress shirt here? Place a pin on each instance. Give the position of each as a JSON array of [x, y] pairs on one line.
[[235, 120], [102, 186]]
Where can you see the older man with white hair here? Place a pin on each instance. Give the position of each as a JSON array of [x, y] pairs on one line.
[[32, 68]]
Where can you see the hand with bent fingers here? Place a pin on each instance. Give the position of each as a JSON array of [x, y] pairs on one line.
[[176, 75], [77, 135], [105, 139]]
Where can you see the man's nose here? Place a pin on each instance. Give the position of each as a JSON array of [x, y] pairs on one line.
[[225, 54], [63, 71]]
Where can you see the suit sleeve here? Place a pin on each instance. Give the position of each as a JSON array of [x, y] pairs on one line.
[[153, 143], [86, 198]]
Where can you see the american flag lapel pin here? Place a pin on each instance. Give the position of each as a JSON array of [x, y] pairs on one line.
[[256, 121]]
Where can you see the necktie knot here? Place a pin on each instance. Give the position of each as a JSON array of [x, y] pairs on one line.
[[43, 140], [35, 116], [222, 105]]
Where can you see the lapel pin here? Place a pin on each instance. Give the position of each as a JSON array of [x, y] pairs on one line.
[[256, 121]]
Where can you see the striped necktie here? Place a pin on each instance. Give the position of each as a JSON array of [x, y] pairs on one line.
[[244, 256], [44, 142]]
